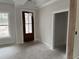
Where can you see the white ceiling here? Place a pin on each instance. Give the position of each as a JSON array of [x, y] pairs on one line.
[[7, 1], [41, 2], [21, 2]]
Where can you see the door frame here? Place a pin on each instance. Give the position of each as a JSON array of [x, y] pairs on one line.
[[59, 11], [71, 28], [23, 19]]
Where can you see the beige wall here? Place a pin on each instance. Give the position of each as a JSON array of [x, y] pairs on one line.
[[46, 20]]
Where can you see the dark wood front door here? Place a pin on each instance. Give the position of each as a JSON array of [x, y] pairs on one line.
[[28, 26]]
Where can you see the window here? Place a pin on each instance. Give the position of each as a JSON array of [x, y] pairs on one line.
[[28, 22], [4, 28]]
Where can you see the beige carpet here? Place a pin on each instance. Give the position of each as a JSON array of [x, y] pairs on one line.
[[34, 50]]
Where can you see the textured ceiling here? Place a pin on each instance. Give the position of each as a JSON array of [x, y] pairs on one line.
[[21, 2]]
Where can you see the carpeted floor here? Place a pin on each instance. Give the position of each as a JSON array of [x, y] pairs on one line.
[[34, 50]]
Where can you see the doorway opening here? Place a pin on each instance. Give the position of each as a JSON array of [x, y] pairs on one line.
[[60, 30], [28, 26]]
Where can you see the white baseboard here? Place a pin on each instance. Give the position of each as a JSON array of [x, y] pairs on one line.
[[50, 47], [6, 43]]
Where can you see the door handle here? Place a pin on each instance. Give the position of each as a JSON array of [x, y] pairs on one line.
[[76, 33]]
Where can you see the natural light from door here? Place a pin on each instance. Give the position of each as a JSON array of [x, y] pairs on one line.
[[28, 22]]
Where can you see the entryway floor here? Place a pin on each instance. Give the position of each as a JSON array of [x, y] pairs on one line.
[[33, 50]]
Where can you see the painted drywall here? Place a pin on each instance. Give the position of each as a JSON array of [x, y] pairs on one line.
[[16, 24], [28, 6], [46, 20], [76, 39], [60, 29], [4, 7]]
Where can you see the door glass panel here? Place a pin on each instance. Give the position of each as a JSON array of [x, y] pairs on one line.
[[27, 28], [30, 17], [28, 23], [26, 18], [30, 28]]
